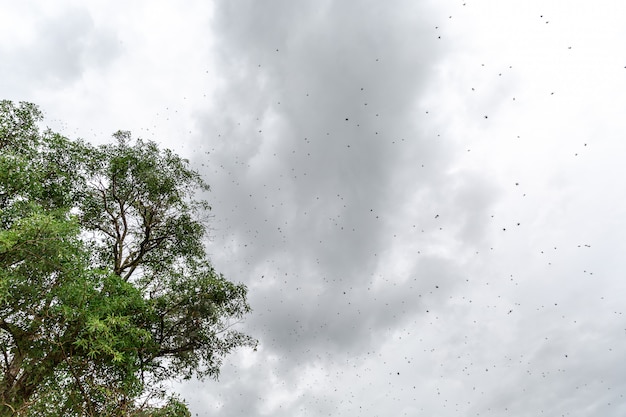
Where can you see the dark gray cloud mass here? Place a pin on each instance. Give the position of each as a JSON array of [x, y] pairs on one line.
[[336, 186], [326, 152]]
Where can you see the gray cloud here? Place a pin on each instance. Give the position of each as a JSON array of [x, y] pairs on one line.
[[62, 48], [324, 163], [339, 187]]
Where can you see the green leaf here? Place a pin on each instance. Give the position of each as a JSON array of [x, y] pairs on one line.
[[106, 291]]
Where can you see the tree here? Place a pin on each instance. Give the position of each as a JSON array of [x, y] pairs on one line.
[[106, 291]]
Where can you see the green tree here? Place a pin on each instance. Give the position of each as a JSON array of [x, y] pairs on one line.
[[106, 291]]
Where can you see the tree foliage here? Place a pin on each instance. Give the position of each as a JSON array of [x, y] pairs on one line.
[[106, 291]]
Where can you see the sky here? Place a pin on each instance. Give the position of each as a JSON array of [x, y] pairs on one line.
[[425, 198]]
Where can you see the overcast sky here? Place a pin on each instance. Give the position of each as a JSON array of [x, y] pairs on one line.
[[426, 199]]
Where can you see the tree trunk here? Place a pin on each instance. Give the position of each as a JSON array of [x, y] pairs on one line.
[[16, 393]]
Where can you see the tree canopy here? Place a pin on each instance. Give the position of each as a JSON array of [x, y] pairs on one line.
[[106, 290]]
